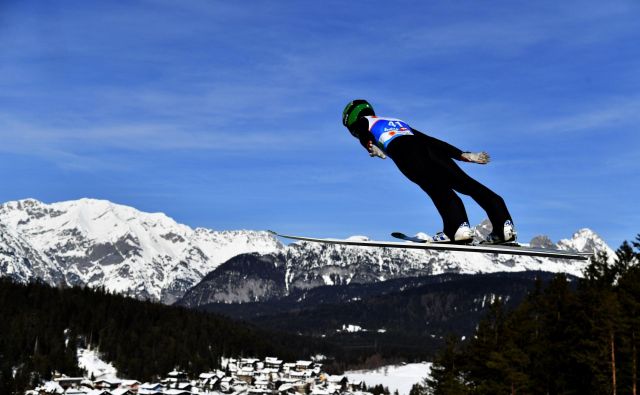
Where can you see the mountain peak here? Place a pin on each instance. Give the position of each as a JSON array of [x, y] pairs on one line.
[[100, 243], [586, 240], [585, 232]]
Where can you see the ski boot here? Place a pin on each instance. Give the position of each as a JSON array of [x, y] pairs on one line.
[[464, 235], [509, 232]]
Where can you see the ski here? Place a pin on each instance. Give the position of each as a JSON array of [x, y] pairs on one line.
[[402, 236], [421, 245]]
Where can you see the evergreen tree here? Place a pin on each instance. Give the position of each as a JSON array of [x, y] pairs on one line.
[[485, 350], [597, 327], [417, 389], [551, 366], [446, 373], [628, 292]]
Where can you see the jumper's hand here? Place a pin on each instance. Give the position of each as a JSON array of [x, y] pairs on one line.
[[375, 151], [476, 157]]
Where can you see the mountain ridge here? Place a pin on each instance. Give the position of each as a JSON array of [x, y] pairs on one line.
[[150, 256], [100, 243]]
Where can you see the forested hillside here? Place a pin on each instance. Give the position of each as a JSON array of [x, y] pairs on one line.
[[41, 328], [560, 340], [395, 320]]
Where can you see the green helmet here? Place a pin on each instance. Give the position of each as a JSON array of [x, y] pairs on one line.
[[356, 110]]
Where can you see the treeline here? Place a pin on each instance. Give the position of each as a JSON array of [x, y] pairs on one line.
[[41, 328], [560, 340]]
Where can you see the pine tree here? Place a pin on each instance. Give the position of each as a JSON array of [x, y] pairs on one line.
[[417, 389], [446, 375], [484, 353], [552, 365], [596, 328], [628, 291]]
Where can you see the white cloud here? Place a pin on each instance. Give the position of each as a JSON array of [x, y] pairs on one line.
[[510, 31], [607, 114]]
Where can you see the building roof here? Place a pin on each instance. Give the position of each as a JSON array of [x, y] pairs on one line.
[[321, 391], [98, 392], [151, 385], [109, 381], [176, 392], [245, 372], [272, 360], [76, 391], [65, 378], [52, 387]]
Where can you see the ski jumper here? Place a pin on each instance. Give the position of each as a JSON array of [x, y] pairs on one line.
[[429, 163]]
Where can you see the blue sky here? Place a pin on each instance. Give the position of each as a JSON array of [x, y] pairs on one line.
[[227, 114]]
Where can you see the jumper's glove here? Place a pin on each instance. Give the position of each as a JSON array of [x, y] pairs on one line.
[[375, 151], [476, 157]]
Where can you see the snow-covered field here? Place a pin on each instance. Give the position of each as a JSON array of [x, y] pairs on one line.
[[401, 377]]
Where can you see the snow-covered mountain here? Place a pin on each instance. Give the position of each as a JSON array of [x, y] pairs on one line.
[[306, 265], [99, 243]]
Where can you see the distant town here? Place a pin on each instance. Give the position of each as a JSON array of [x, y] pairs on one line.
[[250, 376]]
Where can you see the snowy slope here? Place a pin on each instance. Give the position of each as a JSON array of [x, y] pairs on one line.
[[18, 259], [90, 361], [394, 377], [99, 243]]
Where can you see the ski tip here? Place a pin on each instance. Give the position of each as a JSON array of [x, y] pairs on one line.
[[398, 235], [273, 232]]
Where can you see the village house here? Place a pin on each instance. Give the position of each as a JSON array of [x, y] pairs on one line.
[[258, 391], [272, 363], [121, 391], [106, 384], [262, 384], [174, 391], [99, 392], [339, 381], [68, 382], [288, 366], [261, 387], [286, 389], [226, 384], [246, 374], [132, 385], [230, 365], [209, 381], [303, 366], [150, 389], [248, 363], [178, 380]]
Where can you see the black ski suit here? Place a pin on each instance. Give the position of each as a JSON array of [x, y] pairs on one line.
[[429, 163]]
